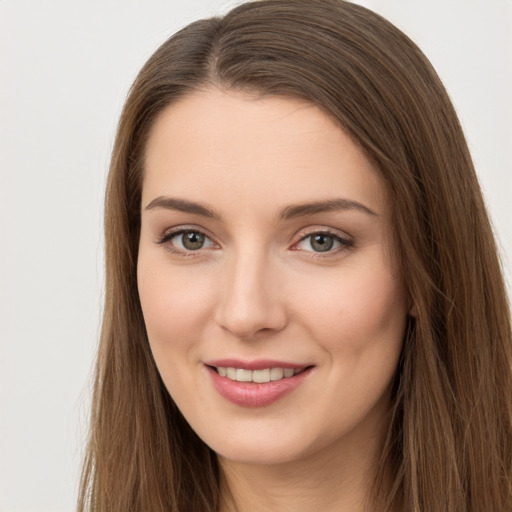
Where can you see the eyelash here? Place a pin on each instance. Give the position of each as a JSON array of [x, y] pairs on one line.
[[345, 243]]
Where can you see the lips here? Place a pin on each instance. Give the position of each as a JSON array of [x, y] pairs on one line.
[[258, 383]]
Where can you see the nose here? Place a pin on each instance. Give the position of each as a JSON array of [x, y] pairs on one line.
[[251, 301]]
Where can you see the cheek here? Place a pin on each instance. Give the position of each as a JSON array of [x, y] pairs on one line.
[[175, 305], [176, 309], [360, 309]]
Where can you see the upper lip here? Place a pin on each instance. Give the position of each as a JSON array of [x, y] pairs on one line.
[[258, 364]]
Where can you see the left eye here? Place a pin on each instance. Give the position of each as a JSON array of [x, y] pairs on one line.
[[322, 242]]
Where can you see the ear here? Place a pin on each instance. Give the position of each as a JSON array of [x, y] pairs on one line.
[[413, 310]]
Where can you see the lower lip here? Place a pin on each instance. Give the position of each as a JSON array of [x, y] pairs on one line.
[[250, 394]]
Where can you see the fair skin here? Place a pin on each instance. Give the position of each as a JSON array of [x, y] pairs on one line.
[[235, 270]]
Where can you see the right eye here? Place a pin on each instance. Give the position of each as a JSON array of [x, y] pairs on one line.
[[186, 240]]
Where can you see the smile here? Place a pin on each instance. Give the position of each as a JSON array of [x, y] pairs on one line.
[[258, 383], [257, 376]]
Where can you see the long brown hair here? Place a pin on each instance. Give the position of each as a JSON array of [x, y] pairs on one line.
[[449, 446]]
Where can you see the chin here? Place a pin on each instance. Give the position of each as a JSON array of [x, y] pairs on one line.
[[260, 446], [255, 455]]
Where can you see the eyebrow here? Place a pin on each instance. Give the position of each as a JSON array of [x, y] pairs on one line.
[[330, 205], [182, 205], [287, 213]]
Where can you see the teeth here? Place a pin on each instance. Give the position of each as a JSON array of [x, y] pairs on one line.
[[243, 375], [261, 375], [258, 376], [288, 372], [276, 374]]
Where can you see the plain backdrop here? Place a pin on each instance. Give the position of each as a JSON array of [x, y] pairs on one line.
[[65, 68]]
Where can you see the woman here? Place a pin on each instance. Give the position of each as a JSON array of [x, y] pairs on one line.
[[304, 304]]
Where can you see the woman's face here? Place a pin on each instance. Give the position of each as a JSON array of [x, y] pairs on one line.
[[273, 310]]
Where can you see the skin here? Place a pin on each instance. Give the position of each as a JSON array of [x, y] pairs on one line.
[[259, 289]]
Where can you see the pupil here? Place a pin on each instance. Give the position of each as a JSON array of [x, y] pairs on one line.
[[322, 243], [193, 240]]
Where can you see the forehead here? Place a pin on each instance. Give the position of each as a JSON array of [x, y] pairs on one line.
[[233, 148]]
